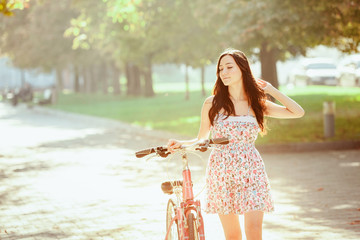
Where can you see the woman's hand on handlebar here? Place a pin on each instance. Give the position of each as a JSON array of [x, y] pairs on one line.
[[173, 144]]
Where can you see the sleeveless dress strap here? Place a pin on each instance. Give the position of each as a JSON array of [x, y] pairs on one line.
[[249, 110]]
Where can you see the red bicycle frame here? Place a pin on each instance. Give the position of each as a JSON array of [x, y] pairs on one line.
[[188, 205]]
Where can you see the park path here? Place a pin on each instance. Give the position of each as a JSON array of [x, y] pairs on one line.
[[65, 176]]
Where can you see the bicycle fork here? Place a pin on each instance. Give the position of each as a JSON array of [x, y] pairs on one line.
[[189, 205]]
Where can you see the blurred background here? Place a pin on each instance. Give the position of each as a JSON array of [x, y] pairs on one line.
[[152, 62]]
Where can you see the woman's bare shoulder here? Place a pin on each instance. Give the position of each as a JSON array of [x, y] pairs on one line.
[[209, 100]]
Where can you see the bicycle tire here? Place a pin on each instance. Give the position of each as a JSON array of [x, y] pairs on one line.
[[193, 227], [170, 214]]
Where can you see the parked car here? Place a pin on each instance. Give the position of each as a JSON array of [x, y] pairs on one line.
[[349, 71], [314, 71]]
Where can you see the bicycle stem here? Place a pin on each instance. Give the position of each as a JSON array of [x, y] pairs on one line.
[[187, 183], [185, 161]]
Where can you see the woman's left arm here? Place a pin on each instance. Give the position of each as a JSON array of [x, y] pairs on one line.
[[290, 108]]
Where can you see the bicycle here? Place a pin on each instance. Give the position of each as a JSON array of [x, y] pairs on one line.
[[183, 217]]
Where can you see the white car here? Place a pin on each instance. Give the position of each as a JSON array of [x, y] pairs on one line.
[[349, 71], [314, 71]]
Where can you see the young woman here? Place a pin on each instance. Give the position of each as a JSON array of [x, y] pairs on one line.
[[236, 179]]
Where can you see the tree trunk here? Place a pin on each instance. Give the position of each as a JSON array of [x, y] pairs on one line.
[[187, 95], [149, 91], [88, 82], [268, 59], [129, 79], [203, 92], [115, 74], [85, 74], [76, 79], [137, 82], [133, 79], [93, 77], [103, 74]]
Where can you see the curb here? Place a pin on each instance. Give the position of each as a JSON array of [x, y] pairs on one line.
[[164, 135]]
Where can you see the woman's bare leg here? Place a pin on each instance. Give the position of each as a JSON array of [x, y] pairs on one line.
[[231, 226], [253, 225]]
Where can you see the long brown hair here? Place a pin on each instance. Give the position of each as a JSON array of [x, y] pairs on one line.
[[255, 94]]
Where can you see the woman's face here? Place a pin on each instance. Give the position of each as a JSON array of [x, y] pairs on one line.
[[229, 71]]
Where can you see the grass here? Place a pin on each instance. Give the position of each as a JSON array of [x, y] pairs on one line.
[[310, 127], [169, 111]]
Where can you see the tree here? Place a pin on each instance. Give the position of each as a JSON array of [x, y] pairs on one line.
[[34, 38], [8, 6], [105, 37], [194, 43], [276, 29], [341, 21], [43, 26], [160, 31], [112, 28], [138, 34]]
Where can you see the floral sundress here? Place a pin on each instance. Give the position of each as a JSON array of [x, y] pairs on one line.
[[236, 181]]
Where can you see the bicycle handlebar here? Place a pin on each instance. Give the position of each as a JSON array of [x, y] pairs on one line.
[[163, 151]]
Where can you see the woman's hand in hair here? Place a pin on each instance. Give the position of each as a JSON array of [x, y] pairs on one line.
[[263, 84]]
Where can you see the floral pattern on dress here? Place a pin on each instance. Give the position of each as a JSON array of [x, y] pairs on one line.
[[236, 181]]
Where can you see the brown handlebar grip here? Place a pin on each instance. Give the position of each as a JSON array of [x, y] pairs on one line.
[[219, 141], [144, 152]]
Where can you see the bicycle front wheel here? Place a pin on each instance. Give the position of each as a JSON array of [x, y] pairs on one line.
[[193, 227], [173, 233]]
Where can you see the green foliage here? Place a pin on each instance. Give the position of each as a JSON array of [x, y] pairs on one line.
[[82, 33], [34, 37], [274, 30], [134, 31], [342, 23], [8, 6]]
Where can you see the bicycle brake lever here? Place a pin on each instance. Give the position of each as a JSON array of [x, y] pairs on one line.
[[202, 149], [164, 154], [205, 143]]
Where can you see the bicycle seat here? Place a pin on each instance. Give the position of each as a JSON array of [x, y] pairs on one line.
[[167, 187]]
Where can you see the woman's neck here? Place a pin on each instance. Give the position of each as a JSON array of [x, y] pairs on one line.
[[237, 93]]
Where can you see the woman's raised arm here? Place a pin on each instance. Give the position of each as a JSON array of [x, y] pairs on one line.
[[290, 108]]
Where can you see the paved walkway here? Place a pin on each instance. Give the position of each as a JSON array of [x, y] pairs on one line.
[[68, 177]]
